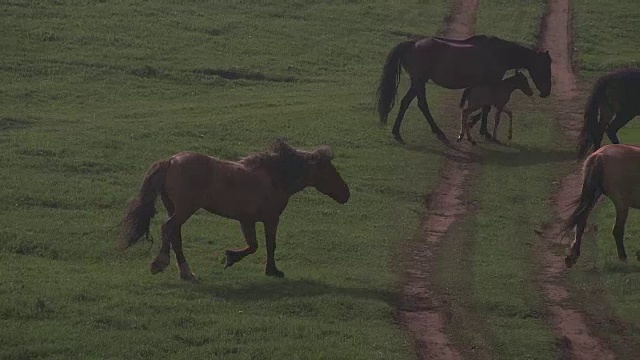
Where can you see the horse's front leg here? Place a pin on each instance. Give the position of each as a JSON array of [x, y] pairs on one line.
[[270, 229], [249, 232]]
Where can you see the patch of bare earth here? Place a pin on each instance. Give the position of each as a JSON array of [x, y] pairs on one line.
[[422, 310], [577, 341]]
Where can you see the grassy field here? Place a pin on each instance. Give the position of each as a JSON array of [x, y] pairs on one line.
[[601, 48], [502, 316], [93, 93]]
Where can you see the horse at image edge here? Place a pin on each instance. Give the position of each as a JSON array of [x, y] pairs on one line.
[[614, 171], [613, 102]]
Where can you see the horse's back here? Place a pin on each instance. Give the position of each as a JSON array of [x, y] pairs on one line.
[[455, 64], [623, 90], [225, 188]]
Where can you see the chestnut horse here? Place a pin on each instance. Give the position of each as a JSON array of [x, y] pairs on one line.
[[254, 189], [614, 101], [454, 64], [613, 170]]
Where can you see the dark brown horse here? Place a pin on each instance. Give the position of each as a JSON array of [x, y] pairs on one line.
[[254, 189], [454, 64], [613, 170], [614, 101]]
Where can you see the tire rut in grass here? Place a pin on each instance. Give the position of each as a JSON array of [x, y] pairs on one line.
[[422, 310], [576, 339]]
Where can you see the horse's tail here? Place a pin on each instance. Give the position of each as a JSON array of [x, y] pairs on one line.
[[591, 124], [141, 209], [593, 177], [390, 78], [465, 96]]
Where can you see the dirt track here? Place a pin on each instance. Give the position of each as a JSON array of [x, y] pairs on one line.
[[569, 323], [422, 309]]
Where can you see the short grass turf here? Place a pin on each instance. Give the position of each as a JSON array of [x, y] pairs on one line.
[[94, 92]]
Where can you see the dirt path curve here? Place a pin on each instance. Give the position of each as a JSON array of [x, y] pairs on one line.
[[569, 323], [421, 308]]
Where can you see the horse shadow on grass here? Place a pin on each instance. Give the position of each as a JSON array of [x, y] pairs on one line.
[[503, 154], [275, 289], [619, 267]]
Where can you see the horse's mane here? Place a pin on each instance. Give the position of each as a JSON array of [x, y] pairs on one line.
[[286, 164]]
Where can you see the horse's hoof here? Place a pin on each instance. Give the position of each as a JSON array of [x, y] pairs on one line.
[[189, 277], [274, 272], [158, 265], [459, 138]]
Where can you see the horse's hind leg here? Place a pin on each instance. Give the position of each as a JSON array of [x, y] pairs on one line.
[[404, 105], [249, 232], [163, 258], [574, 250], [619, 120], [618, 230], [172, 230], [510, 114], [464, 118], [424, 107], [496, 124]]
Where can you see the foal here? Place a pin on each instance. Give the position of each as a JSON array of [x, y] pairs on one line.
[[497, 96]]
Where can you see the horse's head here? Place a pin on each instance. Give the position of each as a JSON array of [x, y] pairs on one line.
[[323, 175], [540, 71], [523, 84]]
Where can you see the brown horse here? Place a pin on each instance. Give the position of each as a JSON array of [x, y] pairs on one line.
[[254, 189], [614, 101], [454, 64], [613, 170]]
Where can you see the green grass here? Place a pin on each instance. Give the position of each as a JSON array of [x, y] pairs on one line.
[[93, 93], [486, 264], [605, 35], [604, 39]]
